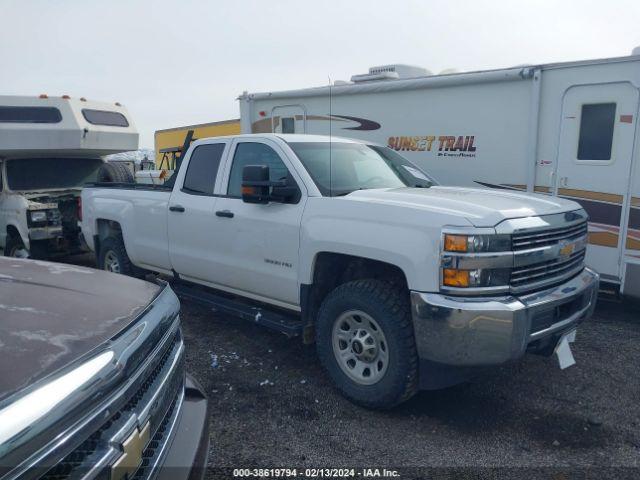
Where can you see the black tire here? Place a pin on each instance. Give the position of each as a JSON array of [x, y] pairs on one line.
[[115, 173], [14, 242], [112, 248], [389, 306]]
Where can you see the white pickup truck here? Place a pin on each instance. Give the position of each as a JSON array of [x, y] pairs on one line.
[[402, 284]]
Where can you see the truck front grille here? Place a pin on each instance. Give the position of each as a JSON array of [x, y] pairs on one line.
[[549, 272], [542, 238], [97, 447], [546, 273]]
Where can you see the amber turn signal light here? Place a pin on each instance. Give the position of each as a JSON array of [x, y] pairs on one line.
[[455, 243], [455, 278]]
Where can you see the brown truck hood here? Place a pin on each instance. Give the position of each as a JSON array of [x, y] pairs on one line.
[[52, 313]]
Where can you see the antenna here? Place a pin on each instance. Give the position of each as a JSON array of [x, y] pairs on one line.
[[330, 145]]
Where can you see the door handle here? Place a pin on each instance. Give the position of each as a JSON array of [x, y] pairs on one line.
[[176, 208], [224, 213]]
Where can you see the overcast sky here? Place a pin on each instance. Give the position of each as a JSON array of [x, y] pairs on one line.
[[185, 62]]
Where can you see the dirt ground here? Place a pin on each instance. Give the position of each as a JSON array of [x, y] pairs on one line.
[[272, 404]]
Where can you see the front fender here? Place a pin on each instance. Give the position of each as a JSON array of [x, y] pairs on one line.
[[22, 230], [406, 238], [13, 209]]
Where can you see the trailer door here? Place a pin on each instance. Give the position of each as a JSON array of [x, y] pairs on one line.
[[594, 164], [289, 119]]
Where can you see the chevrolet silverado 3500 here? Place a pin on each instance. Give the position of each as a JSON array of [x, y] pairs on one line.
[[402, 284]]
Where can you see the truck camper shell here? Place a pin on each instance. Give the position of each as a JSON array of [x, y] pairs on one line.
[[63, 127]]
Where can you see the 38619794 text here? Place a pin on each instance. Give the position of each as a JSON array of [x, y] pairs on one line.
[[316, 472]]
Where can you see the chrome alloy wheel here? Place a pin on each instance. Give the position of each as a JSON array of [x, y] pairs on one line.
[[360, 347], [111, 262]]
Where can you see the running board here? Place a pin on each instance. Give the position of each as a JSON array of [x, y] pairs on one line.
[[289, 324]]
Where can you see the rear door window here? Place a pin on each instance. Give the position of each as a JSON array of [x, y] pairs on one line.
[[596, 131], [203, 169]]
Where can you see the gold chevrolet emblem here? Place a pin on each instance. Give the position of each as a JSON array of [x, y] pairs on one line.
[[567, 249], [131, 458]]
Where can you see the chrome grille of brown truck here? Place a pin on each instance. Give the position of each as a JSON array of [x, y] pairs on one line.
[[541, 238], [80, 461]]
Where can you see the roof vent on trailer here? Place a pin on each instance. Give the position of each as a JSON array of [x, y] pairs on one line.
[[391, 72], [636, 51]]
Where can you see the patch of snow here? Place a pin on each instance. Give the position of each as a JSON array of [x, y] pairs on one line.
[[58, 268], [13, 308], [214, 360]]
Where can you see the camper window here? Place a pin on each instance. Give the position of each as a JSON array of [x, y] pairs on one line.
[[30, 115], [203, 169], [104, 117], [289, 125], [596, 131]]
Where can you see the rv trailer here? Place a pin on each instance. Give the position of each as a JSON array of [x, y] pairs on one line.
[[567, 129]]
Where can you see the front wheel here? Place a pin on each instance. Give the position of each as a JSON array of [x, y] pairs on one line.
[[364, 338]]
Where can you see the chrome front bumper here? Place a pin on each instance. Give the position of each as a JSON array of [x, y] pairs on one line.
[[45, 233], [468, 332]]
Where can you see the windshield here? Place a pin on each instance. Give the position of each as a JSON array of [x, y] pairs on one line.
[[355, 166], [51, 173]]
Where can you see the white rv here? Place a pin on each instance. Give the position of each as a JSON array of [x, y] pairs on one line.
[[567, 129], [49, 148]]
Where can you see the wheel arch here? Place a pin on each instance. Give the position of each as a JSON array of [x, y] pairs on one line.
[[332, 269], [13, 229], [104, 229]]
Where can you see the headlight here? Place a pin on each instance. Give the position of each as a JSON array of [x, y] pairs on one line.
[[476, 261], [480, 277], [476, 243], [39, 216]]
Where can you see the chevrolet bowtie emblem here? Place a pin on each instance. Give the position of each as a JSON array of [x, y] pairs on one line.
[[131, 457], [567, 249]]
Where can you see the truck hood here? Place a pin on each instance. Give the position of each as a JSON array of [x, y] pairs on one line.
[[481, 207], [51, 314]]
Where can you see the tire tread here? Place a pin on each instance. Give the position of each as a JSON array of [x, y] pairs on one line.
[[394, 300]]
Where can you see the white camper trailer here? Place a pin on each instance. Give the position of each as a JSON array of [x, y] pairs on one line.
[[50, 147], [567, 129]]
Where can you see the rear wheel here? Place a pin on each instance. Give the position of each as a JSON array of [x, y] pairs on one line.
[[364, 338], [113, 257], [15, 247]]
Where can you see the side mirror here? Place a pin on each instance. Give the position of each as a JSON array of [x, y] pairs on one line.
[[255, 184], [257, 188]]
